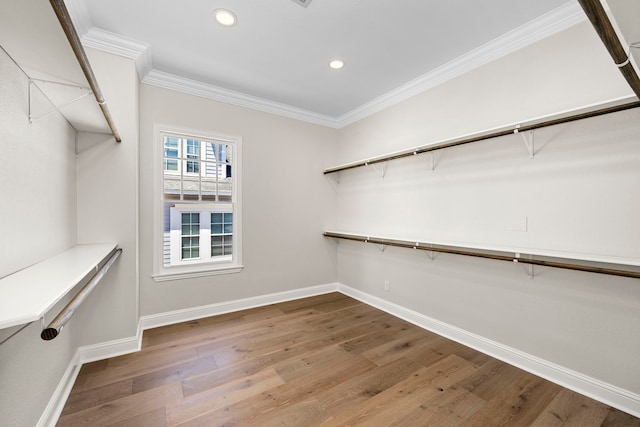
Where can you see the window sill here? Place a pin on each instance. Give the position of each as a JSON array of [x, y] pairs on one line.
[[188, 274]]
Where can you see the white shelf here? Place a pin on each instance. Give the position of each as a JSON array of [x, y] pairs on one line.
[[29, 294]]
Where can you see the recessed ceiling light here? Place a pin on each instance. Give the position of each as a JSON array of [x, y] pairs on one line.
[[225, 17], [336, 64]]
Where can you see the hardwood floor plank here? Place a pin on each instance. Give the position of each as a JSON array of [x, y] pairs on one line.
[[570, 409], [453, 407], [617, 418], [325, 360], [173, 373], [135, 368], [89, 368], [519, 403], [247, 411], [413, 342], [334, 300], [317, 360], [79, 400], [123, 409], [309, 412], [355, 390], [490, 379], [155, 418], [228, 393], [387, 407]]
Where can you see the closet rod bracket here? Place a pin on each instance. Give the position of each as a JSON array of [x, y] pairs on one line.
[[528, 140], [382, 170], [527, 267], [55, 107]]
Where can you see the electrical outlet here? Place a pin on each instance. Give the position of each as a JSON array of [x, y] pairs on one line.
[[387, 286]]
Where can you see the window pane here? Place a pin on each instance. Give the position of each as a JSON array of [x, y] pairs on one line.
[[216, 217], [228, 228], [192, 166], [216, 228], [216, 240], [217, 251], [193, 149], [171, 146], [228, 218], [171, 165], [186, 218]]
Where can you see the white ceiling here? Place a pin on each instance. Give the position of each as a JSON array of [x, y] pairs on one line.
[[278, 51], [275, 58]]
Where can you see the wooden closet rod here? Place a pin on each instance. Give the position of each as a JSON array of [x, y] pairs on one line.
[[56, 325], [600, 21], [67, 25], [470, 252], [483, 137]]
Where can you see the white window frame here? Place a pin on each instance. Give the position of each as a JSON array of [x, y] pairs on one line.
[[217, 265]]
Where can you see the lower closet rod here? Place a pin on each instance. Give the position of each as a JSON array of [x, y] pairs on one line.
[[56, 325]]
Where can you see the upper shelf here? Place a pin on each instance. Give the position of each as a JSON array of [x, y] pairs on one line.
[[32, 35], [528, 125], [29, 294]]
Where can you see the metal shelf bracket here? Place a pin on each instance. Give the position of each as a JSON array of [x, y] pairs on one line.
[[32, 83], [430, 254], [529, 268], [528, 140], [382, 170]]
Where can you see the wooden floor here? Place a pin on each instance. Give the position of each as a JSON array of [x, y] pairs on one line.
[[327, 360]]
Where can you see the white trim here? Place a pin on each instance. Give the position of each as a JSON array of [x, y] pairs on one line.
[[116, 44], [162, 273], [105, 350], [86, 354], [217, 93], [209, 271], [54, 408], [607, 393], [177, 316]]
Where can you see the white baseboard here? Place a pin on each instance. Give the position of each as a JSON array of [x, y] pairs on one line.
[[85, 354], [105, 350], [599, 390], [172, 317], [52, 412]]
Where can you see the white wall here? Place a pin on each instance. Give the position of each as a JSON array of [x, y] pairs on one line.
[[286, 202], [107, 203], [37, 221], [579, 195]]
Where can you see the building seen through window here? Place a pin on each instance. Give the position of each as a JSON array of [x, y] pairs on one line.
[[198, 200]]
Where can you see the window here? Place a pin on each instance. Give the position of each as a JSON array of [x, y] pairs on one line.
[[190, 235], [198, 204], [221, 234]]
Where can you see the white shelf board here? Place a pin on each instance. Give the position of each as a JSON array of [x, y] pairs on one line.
[[564, 255], [27, 295]]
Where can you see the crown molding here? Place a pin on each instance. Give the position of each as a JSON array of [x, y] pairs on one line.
[[140, 52], [553, 22], [216, 93]]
